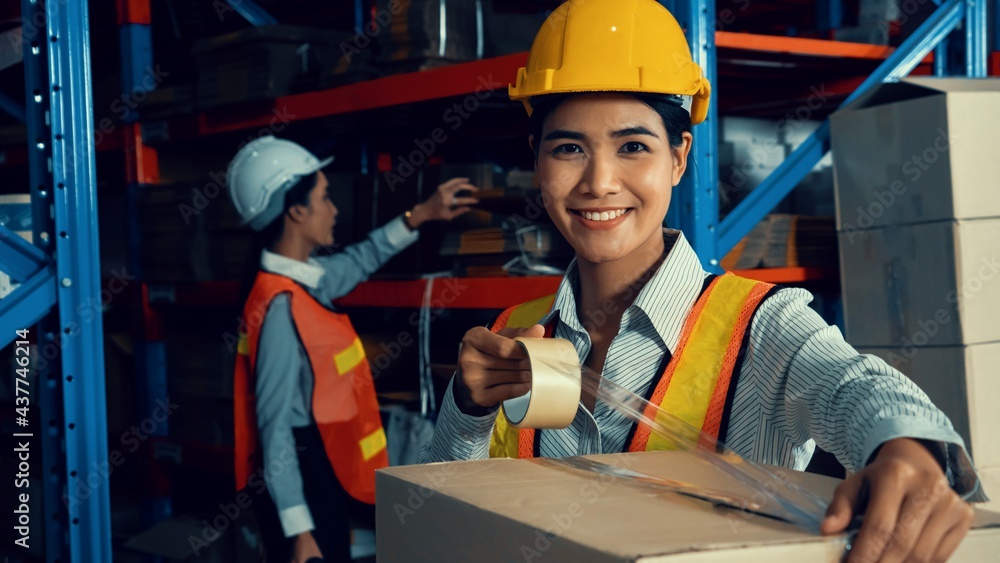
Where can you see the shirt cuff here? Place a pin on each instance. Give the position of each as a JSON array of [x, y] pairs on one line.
[[296, 520], [457, 436], [399, 235], [959, 468]]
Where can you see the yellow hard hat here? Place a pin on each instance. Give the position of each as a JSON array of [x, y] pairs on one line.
[[612, 46]]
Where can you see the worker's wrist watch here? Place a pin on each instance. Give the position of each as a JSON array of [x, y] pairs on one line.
[[408, 220]]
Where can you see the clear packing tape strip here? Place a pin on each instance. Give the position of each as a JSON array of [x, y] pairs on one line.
[[557, 382]]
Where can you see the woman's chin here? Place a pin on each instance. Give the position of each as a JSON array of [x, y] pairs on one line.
[[600, 253]]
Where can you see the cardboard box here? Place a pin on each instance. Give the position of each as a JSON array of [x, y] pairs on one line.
[[916, 151], [990, 478], [504, 510], [933, 284], [962, 382]]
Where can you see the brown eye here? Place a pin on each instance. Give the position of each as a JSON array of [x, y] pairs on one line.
[[567, 149], [633, 146]]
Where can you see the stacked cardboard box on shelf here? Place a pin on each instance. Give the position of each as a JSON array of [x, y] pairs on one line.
[[919, 231], [262, 63], [487, 238], [786, 241], [186, 241], [750, 149], [426, 33]]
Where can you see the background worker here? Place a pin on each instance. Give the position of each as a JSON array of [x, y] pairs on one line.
[[303, 388], [611, 138]]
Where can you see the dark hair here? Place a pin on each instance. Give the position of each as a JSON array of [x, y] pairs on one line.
[[676, 119], [298, 194]]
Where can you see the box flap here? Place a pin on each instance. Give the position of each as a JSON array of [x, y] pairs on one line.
[[953, 84], [919, 87]]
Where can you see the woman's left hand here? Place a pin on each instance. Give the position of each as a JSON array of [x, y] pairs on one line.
[[444, 205], [912, 513]]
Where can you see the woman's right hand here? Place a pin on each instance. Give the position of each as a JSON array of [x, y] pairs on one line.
[[306, 548], [492, 368]]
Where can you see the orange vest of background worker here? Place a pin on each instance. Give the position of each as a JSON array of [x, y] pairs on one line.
[[343, 401]]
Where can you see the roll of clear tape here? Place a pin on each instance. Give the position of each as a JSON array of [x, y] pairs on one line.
[[556, 381]]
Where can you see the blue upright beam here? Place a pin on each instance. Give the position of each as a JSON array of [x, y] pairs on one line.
[[975, 38], [941, 54], [829, 15], [695, 206], [996, 27], [52, 459], [136, 40], [78, 272], [784, 178], [359, 16], [253, 13], [11, 108]]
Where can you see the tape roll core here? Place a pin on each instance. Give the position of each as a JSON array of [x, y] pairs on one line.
[[556, 381]]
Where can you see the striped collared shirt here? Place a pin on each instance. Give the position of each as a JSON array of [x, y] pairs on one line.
[[800, 383]]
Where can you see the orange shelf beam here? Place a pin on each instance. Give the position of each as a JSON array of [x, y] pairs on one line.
[[800, 46], [461, 79], [452, 293]]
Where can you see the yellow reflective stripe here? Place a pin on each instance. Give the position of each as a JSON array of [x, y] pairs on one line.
[[697, 371], [504, 441], [243, 345], [372, 444], [528, 314], [349, 359]]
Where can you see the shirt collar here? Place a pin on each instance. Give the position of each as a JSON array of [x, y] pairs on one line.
[[306, 273], [665, 300]]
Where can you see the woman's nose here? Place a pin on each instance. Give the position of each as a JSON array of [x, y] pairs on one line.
[[601, 177]]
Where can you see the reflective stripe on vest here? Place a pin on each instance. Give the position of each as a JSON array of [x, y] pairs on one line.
[[344, 407], [695, 383]]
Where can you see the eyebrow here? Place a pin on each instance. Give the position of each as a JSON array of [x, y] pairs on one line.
[[627, 132], [564, 134]]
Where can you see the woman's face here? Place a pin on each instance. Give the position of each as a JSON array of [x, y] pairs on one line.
[[606, 169], [321, 215]]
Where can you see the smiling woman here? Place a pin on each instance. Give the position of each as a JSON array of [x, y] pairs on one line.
[[743, 361]]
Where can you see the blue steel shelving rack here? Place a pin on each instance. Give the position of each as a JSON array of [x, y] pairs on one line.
[[60, 278], [695, 209]]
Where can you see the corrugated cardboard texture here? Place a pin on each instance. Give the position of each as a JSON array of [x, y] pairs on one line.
[[917, 151], [508, 510], [935, 284], [962, 381]]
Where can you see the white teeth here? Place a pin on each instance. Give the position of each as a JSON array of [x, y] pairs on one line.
[[602, 215]]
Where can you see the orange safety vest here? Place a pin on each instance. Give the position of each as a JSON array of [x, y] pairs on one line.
[[695, 384], [344, 406]]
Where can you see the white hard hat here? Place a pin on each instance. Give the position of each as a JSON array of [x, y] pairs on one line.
[[261, 173]]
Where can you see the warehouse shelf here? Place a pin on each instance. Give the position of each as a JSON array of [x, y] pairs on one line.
[[736, 50]]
